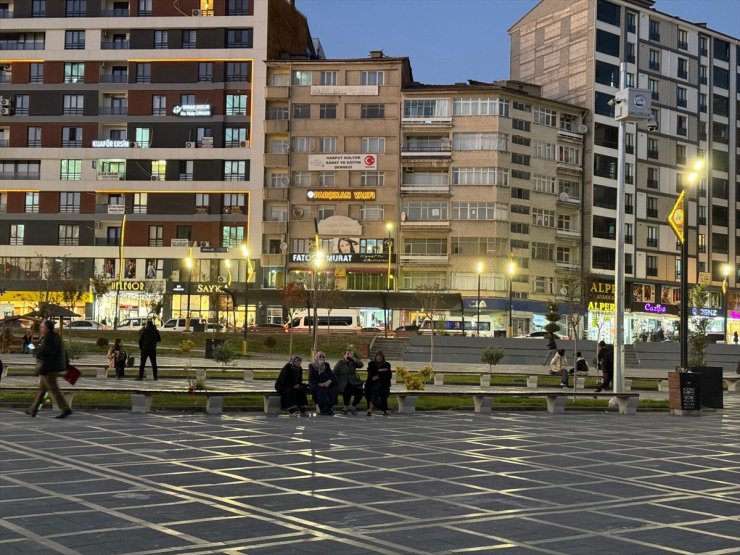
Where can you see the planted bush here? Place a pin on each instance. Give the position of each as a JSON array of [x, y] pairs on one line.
[[102, 342]]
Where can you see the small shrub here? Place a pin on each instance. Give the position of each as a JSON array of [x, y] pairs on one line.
[[270, 342], [492, 356], [74, 349], [223, 354], [186, 345], [102, 342], [426, 373]]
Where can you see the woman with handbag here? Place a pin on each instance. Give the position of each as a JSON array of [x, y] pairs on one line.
[[50, 360], [291, 387], [117, 359], [378, 384]]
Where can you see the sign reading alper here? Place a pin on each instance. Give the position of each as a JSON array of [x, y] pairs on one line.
[[342, 162]]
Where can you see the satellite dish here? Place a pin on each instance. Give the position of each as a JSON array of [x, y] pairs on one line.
[[565, 197]]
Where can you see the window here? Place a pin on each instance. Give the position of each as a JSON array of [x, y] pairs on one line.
[[520, 125], [238, 7], [143, 137], [205, 72], [73, 105], [683, 68], [71, 137], [653, 177], [34, 137], [234, 203], [721, 77], [301, 179], [371, 213], [681, 97], [631, 22], [301, 111], [605, 166], [607, 74], [517, 227], [238, 72], [74, 40], [721, 50], [565, 223], [479, 211], [543, 116], [326, 179], [543, 150], [542, 217], [652, 207], [140, 203], [328, 78], [189, 38], [235, 136], [156, 233], [481, 106], [607, 43], [629, 53], [32, 203], [187, 99], [238, 38], [17, 233], [324, 211], [236, 170], [521, 159], [654, 86], [654, 60], [159, 170], [36, 73], [69, 234], [604, 227], [654, 29], [519, 140], [278, 113], [372, 179], [232, 236], [479, 176], [159, 105], [683, 39], [327, 144], [543, 251], [372, 111], [652, 149], [374, 145], [681, 154], [185, 170], [608, 12], [38, 8], [543, 184], [419, 211], [703, 103], [479, 141], [236, 104], [682, 125], [569, 155], [300, 144], [425, 247], [562, 255], [143, 72], [302, 78], [327, 111], [651, 265], [21, 104], [76, 8], [202, 202], [703, 74], [372, 78], [161, 39], [74, 72], [71, 170], [652, 236]]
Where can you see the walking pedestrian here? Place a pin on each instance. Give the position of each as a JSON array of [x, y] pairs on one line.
[[735, 338], [378, 384], [559, 365], [350, 384], [605, 360], [50, 360], [291, 387], [323, 384], [27, 346], [117, 358], [148, 339], [551, 347]]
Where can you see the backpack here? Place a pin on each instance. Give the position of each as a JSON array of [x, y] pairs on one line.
[[122, 355]]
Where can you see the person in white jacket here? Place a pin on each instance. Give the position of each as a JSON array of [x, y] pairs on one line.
[[559, 365]]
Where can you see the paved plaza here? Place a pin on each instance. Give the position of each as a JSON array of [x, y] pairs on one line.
[[437, 482]]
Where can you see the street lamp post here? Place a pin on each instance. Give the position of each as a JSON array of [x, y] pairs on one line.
[[318, 262], [245, 254], [477, 304], [512, 270], [189, 264], [683, 331], [725, 284], [389, 227]]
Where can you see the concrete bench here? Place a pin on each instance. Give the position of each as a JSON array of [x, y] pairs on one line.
[[482, 401]]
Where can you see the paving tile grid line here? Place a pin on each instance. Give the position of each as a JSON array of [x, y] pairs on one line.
[[438, 482]]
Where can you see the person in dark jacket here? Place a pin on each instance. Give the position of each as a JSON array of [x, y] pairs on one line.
[[552, 348], [378, 384], [605, 359], [27, 343], [50, 360], [148, 339], [291, 387], [323, 384], [349, 382]]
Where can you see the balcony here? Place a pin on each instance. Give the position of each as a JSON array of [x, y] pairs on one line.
[[4, 143], [652, 272], [72, 143], [275, 193], [276, 160], [564, 199], [426, 122], [114, 45], [272, 228], [629, 239], [26, 45], [425, 188], [121, 12], [113, 110], [272, 259], [277, 93], [427, 149], [568, 267], [568, 234], [115, 78], [426, 225], [273, 126], [652, 154], [425, 259], [569, 135]]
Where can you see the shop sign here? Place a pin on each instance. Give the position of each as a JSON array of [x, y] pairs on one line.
[[656, 308], [601, 307], [734, 314], [192, 110], [127, 285], [340, 194], [109, 176], [344, 258], [198, 288], [342, 162], [116, 209], [110, 143], [705, 312]]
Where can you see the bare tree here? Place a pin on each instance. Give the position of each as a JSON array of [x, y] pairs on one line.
[[100, 286], [294, 297], [429, 297]]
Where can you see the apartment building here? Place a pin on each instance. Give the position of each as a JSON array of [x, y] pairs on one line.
[[574, 50], [491, 187], [131, 147]]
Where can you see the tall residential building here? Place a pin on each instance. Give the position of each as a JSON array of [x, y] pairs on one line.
[[131, 140], [574, 50]]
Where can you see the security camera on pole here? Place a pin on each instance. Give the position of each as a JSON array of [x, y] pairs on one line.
[[630, 106]]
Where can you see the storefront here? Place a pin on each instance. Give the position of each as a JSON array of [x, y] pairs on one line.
[[732, 311], [18, 303], [600, 321], [647, 321], [205, 300], [129, 298]]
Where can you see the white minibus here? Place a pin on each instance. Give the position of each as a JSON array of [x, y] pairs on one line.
[[341, 320]]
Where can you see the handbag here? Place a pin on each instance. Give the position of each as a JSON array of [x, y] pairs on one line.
[[72, 374]]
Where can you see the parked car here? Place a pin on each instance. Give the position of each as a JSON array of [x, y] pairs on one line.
[[132, 324], [541, 335], [178, 324], [82, 325]]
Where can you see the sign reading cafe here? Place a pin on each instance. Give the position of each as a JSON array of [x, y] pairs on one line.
[[192, 110]]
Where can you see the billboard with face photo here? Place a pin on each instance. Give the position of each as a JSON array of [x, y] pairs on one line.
[[346, 245], [151, 269], [109, 267]]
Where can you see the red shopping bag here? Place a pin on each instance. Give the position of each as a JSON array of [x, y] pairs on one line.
[[72, 374]]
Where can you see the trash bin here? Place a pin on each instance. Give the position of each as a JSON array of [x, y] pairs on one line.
[[684, 393], [711, 385], [211, 345]]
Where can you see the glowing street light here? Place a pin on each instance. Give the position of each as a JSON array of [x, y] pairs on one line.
[[477, 304]]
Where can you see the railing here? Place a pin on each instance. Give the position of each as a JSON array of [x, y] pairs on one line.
[[238, 44], [36, 79], [6, 14], [74, 45], [237, 78], [652, 243], [629, 208], [188, 45], [113, 110], [118, 78], [628, 239], [651, 271], [683, 75], [72, 144], [567, 266], [654, 36], [652, 183], [235, 177], [4, 143], [568, 233], [185, 177], [106, 242], [427, 147], [655, 66], [114, 45], [424, 188], [27, 45], [683, 45], [628, 269], [19, 176], [121, 12], [72, 111], [652, 213], [425, 258], [33, 143], [652, 154]]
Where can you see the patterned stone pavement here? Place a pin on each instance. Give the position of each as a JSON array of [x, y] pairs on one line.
[[437, 482]]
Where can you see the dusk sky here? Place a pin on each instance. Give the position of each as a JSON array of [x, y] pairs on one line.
[[452, 41]]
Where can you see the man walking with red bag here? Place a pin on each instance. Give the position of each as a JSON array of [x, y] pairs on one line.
[[50, 360]]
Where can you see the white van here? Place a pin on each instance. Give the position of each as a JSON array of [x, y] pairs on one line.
[[341, 320], [178, 324]]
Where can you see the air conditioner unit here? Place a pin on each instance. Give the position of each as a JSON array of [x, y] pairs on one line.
[[7, 67], [4, 111], [155, 178], [197, 12], [297, 212], [134, 144], [582, 129], [205, 243], [243, 144], [5, 102], [190, 144]]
